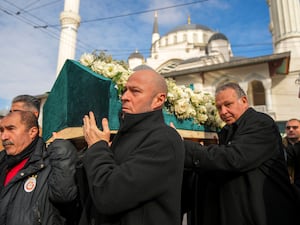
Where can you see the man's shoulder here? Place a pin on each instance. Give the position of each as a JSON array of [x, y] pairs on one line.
[[285, 142], [61, 148], [167, 133], [297, 145], [252, 114]]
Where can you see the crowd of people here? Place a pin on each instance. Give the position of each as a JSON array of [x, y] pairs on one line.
[[147, 174]]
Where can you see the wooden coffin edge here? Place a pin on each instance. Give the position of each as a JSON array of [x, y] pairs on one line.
[[76, 132]]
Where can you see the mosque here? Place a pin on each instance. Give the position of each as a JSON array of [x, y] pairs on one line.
[[196, 56]]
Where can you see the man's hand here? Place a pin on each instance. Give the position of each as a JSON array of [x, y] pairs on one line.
[[55, 135], [91, 132]]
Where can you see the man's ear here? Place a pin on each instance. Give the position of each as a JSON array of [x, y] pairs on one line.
[[244, 99], [159, 101], [33, 132]]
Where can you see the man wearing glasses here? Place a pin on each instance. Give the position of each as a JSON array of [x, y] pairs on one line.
[[292, 146]]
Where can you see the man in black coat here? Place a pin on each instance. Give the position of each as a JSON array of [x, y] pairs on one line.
[[244, 178], [291, 143], [137, 179], [70, 210], [33, 179]]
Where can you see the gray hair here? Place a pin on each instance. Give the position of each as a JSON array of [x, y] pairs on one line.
[[29, 101], [237, 88]]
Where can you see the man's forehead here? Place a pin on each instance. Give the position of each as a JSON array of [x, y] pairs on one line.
[[13, 118], [292, 122], [226, 94], [134, 83], [227, 90]]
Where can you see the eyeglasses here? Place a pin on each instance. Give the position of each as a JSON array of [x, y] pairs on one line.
[[293, 127]]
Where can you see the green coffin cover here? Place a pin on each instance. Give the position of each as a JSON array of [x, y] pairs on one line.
[[78, 90]]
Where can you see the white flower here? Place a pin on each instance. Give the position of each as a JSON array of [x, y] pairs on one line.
[[201, 118], [98, 66], [181, 107], [87, 59], [187, 104]]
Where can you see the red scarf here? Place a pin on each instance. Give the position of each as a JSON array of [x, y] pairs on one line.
[[13, 171]]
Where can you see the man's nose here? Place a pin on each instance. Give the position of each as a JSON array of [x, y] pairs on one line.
[[124, 96], [222, 110], [3, 135]]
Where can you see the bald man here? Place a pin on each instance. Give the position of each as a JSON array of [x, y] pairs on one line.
[[137, 179]]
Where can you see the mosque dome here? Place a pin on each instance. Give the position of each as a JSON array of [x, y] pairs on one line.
[[136, 55], [188, 42], [143, 67], [217, 36], [188, 27], [135, 59]]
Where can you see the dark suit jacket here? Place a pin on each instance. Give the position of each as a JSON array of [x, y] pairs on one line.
[[244, 179], [138, 180]]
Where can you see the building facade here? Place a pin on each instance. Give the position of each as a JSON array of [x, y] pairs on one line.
[[196, 56]]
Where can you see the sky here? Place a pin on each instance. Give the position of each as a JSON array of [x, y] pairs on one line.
[[30, 31]]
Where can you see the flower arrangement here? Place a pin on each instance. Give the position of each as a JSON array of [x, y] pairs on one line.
[[186, 104], [103, 64], [182, 101]]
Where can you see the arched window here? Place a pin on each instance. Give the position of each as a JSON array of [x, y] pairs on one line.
[[256, 93]]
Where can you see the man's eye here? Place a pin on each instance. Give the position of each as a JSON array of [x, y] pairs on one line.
[[123, 91], [135, 91]]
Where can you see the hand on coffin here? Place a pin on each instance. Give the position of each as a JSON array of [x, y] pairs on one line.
[[55, 135], [91, 132]]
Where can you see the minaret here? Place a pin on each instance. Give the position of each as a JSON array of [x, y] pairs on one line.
[[155, 37], [155, 33], [285, 29], [70, 21]]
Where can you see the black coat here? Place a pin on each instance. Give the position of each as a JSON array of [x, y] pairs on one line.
[[244, 179], [138, 180], [54, 171], [293, 160]]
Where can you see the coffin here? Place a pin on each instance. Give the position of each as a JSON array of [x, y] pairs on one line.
[[78, 90]]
